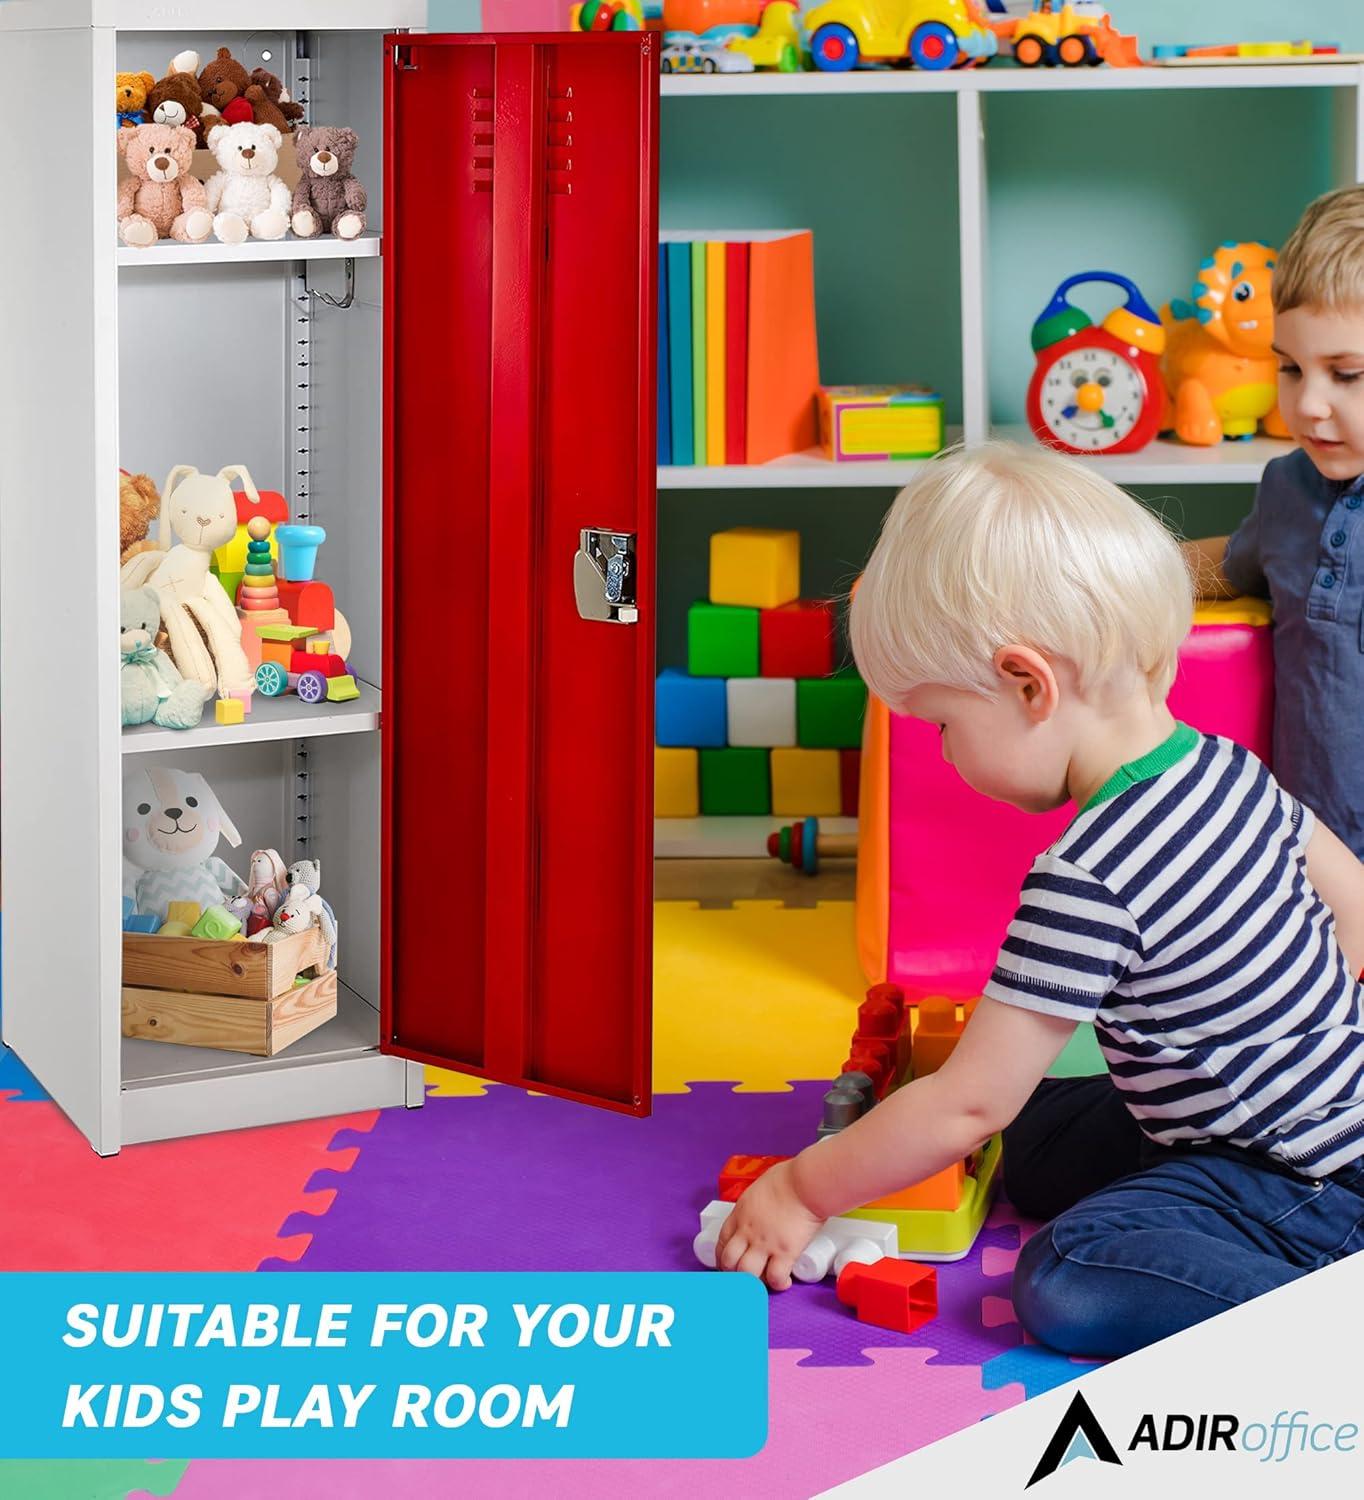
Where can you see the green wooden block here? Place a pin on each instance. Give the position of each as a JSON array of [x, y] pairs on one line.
[[722, 640], [736, 780], [829, 712]]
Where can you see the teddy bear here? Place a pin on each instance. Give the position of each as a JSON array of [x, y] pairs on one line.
[[176, 100], [277, 96], [327, 198], [241, 96], [130, 95], [150, 688], [160, 195], [171, 824], [245, 196], [303, 907], [138, 506]]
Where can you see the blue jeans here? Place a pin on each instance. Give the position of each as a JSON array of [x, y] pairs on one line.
[[1144, 1240]]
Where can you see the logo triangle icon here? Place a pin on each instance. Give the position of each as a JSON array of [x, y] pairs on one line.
[[1080, 1447], [1078, 1435]]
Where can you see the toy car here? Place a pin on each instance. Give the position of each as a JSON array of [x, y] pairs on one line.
[[313, 674], [776, 44], [703, 57], [932, 34]]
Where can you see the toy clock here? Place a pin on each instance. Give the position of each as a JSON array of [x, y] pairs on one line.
[[1096, 390]]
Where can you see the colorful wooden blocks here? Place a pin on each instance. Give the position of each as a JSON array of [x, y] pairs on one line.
[[806, 783], [756, 567], [761, 710], [895, 1294], [736, 781], [677, 782], [829, 712], [689, 710], [797, 640], [722, 641]]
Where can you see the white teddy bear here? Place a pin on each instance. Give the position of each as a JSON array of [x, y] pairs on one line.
[[246, 197], [171, 824]]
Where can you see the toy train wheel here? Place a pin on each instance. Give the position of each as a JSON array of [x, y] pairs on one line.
[[1028, 52], [271, 679], [312, 687], [708, 65], [1072, 51], [834, 48], [933, 46]]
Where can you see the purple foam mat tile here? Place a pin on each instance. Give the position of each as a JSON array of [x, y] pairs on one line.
[[512, 1181]]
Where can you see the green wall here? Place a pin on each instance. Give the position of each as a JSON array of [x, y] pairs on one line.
[[1145, 184]]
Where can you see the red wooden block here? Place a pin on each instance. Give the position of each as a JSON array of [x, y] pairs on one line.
[[894, 1294], [797, 640], [740, 1172], [849, 780], [308, 603]]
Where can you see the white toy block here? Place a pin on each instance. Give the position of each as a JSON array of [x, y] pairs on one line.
[[762, 711], [838, 1243]]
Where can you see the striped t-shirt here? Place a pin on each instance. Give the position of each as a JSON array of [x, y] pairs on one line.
[[1175, 912]]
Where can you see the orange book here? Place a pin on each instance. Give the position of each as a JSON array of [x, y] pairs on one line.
[[783, 355]]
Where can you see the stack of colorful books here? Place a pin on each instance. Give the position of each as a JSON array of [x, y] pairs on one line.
[[738, 358]]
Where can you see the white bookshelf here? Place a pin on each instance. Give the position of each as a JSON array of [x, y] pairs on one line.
[[249, 252]]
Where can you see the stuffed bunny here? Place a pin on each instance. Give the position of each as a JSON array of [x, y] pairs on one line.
[[301, 909], [266, 888], [171, 824]]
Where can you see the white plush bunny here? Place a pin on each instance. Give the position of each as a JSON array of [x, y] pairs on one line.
[[171, 824], [246, 197]]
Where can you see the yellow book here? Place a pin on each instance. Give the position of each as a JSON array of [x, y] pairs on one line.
[[715, 352]]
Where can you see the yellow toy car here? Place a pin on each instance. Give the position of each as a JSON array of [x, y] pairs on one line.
[[932, 34], [776, 44]]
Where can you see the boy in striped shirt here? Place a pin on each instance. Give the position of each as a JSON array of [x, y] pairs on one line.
[[1199, 915]]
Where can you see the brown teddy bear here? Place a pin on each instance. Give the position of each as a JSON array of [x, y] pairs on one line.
[[278, 95], [160, 196], [235, 93], [138, 504], [176, 100], [327, 200], [130, 95]]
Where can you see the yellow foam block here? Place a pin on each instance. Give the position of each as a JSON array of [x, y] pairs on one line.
[[755, 567], [174, 929], [187, 912], [806, 784], [677, 785], [229, 710]]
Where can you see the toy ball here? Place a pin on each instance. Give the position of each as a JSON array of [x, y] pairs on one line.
[[258, 528]]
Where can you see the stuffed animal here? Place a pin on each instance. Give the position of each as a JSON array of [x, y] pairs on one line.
[[327, 200], [246, 197], [172, 821], [149, 686], [305, 875], [138, 503], [268, 882], [160, 196], [275, 101], [256, 98], [301, 909], [130, 95], [176, 100], [205, 633]]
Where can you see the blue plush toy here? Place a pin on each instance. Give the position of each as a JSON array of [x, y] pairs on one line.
[[149, 685]]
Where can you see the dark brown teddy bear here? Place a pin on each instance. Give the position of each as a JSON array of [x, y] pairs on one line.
[[327, 200], [238, 95], [176, 100]]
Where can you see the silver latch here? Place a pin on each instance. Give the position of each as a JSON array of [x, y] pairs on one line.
[[604, 582]]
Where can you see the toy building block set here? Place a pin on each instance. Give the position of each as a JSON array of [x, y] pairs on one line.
[[761, 722]]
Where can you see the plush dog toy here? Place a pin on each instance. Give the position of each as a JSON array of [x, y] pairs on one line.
[[160, 196], [327, 200], [172, 821], [246, 197], [151, 689]]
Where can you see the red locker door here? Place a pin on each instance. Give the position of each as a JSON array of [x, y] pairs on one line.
[[520, 226]]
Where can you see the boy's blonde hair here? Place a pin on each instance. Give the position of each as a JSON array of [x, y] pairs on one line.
[[1322, 263], [1007, 545]]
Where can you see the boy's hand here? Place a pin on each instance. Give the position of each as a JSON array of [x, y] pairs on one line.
[[767, 1230]]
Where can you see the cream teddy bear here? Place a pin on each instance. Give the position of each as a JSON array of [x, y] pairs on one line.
[[246, 197]]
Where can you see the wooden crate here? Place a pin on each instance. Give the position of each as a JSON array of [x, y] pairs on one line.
[[235, 996]]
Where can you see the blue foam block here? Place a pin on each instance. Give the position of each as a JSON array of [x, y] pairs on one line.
[[689, 710], [140, 923]]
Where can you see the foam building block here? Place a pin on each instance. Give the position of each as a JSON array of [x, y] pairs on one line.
[[829, 712], [735, 781], [677, 782], [187, 912], [229, 710], [797, 640], [173, 929], [217, 922], [689, 710], [142, 922], [761, 710], [722, 641], [806, 783], [850, 780], [893, 1294], [753, 566]]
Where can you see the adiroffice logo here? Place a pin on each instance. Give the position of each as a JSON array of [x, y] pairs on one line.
[[1079, 1435]]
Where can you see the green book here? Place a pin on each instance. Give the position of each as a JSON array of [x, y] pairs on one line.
[[698, 348]]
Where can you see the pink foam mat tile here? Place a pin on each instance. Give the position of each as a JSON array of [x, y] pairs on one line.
[[210, 1202], [828, 1424]]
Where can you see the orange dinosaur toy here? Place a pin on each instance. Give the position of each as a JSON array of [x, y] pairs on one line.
[[1220, 372]]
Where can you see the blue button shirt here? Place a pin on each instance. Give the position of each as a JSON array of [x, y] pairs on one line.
[[1300, 548]]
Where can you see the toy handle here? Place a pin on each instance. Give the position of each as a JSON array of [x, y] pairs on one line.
[[1136, 303]]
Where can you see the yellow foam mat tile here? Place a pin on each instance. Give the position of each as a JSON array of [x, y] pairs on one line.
[[757, 994]]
